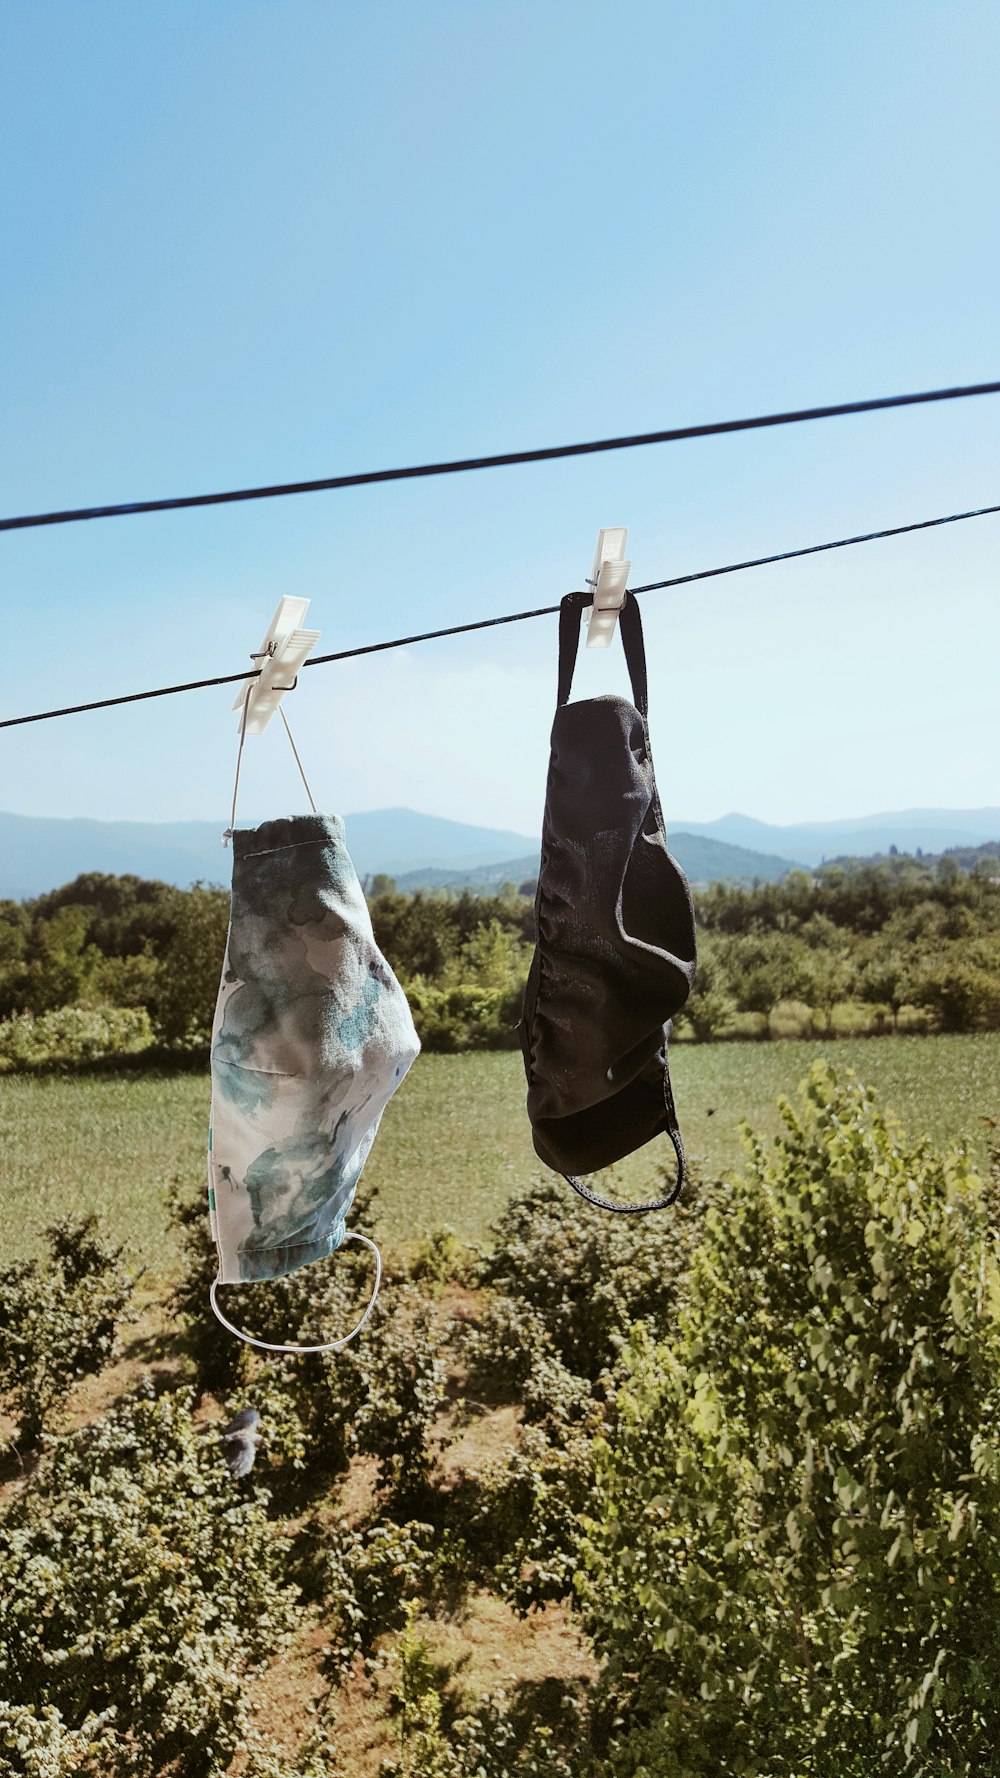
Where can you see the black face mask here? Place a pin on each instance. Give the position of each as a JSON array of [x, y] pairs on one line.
[[615, 953]]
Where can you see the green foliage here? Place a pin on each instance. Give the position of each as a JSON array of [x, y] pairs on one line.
[[487, 1742], [58, 1321], [900, 942], [369, 1578], [440, 1260], [890, 933], [520, 1520], [36, 1743], [463, 961], [464, 1017], [568, 1281], [585, 1275], [73, 1034], [136, 1585], [403, 1372], [793, 1550], [379, 1395], [191, 967]]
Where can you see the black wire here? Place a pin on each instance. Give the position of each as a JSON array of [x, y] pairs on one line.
[[514, 617], [501, 460]]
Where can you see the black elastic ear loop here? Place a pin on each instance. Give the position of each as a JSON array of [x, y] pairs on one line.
[[571, 610], [570, 613], [635, 653], [673, 1132]]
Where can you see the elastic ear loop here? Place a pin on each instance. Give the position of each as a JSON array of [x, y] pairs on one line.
[[227, 836], [673, 1134], [328, 1345], [664, 1203]]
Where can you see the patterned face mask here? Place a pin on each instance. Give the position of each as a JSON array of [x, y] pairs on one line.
[[312, 1036]]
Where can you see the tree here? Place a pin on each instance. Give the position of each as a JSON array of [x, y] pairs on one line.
[[191, 969], [792, 1562], [63, 966]]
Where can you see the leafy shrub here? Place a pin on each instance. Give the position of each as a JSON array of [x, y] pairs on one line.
[[464, 1016], [501, 1348], [403, 1373], [520, 1519], [36, 1743], [487, 1742], [440, 1259], [569, 1280], [793, 1553], [137, 1585], [588, 1275], [191, 967], [73, 1034], [378, 1395], [58, 1321], [369, 1576], [791, 1018]]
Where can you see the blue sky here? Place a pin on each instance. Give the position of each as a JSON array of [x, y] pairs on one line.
[[259, 241]]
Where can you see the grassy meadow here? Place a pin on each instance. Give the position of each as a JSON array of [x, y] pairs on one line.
[[455, 1143]]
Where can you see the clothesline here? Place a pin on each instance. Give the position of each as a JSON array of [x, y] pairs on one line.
[[515, 617], [500, 460]]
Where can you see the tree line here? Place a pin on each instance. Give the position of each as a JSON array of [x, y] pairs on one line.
[[119, 962]]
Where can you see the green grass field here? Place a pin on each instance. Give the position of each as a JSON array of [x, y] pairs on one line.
[[454, 1144]]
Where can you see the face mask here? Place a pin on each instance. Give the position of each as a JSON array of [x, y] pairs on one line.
[[615, 953], [312, 1036]]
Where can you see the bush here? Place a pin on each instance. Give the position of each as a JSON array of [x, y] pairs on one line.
[[378, 1395], [791, 1018], [586, 1275], [465, 1017], [434, 1742], [368, 1578], [74, 1034], [793, 1551], [191, 968], [139, 1587], [35, 1743], [521, 1519], [58, 1321], [403, 1374], [441, 1259]]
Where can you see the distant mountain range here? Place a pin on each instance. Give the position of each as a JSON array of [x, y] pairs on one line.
[[702, 861], [39, 853], [809, 842]]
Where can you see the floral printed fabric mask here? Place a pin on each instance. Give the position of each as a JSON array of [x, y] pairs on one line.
[[312, 1036]]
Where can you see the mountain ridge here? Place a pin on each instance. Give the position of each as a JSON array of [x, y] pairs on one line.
[[39, 853], [809, 842]]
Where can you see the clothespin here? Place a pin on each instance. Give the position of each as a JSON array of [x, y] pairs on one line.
[[608, 577], [283, 651]]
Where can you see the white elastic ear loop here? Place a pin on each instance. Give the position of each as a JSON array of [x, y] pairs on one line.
[[328, 1345]]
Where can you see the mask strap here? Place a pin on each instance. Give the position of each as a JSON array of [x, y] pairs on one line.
[[571, 610], [227, 836], [570, 614], [328, 1345], [298, 762], [630, 624], [650, 1203]]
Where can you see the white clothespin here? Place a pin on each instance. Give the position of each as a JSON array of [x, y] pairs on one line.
[[609, 578], [283, 651]]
